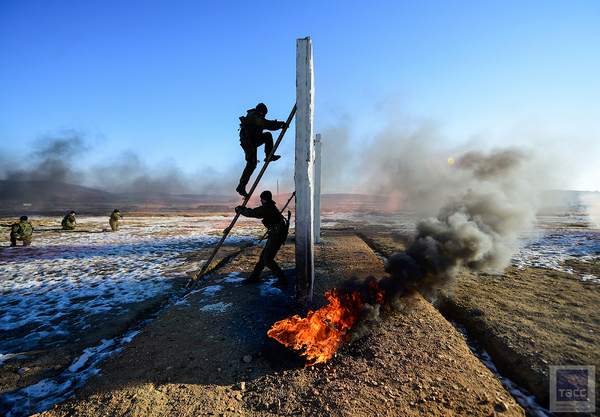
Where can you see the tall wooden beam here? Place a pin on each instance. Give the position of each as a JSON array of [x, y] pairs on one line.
[[317, 188], [305, 90]]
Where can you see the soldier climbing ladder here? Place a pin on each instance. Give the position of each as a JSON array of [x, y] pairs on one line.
[[194, 280]]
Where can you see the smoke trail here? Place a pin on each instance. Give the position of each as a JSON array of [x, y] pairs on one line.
[[50, 160], [407, 162], [63, 158], [127, 173], [341, 161], [477, 229], [591, 202]]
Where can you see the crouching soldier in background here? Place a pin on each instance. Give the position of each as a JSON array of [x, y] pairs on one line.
[[69, 221], [277, 227], [21, 231], [115, 216]]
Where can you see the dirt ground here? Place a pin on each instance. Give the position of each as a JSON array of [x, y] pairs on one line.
[[211, 357], [526, 319], [194, 360]]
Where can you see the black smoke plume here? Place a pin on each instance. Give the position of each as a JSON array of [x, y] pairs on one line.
[[477, 229], [66, 158], [50, 159]]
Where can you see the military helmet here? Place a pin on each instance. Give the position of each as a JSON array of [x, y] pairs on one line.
[[266, 195], [23, 218], [262, 108]]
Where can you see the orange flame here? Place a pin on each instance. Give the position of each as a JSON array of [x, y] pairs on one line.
[[322, 332], [375, 292]]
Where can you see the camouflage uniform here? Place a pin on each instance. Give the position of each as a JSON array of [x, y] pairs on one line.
[[68, 222], [114, 220], [252, 137], [21, 231], [277, 234]]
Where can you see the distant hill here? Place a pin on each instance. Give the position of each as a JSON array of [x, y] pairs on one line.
[[49, 197], [566, 198], [49, 191]]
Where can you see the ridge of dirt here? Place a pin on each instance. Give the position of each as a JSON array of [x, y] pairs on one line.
[[526, 319], [207, 354]]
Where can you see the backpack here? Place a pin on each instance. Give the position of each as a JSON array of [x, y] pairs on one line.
[[244, 132], [27, 229]]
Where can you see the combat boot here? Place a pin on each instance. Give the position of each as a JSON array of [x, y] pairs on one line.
[[254, 278], [273, 158], [282, 281], [241, 190]]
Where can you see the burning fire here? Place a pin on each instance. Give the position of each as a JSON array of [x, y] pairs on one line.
[[322, 332]]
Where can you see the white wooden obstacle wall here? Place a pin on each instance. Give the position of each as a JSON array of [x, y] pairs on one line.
[[304, 172]]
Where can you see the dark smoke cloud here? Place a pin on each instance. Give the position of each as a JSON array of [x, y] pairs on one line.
[[64, 158], [50, 159], [476, 229], [127, 173], [483, 199]]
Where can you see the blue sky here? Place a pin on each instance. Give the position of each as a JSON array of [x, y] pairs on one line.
[[152, 89]]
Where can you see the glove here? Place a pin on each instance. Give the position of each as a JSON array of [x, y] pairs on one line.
[[238, 209], [283, 125]]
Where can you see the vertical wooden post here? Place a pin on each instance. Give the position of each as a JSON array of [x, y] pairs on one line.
[[317, 188], [305, 268]]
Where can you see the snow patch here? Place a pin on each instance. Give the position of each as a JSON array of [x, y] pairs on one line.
[[218, 307]]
